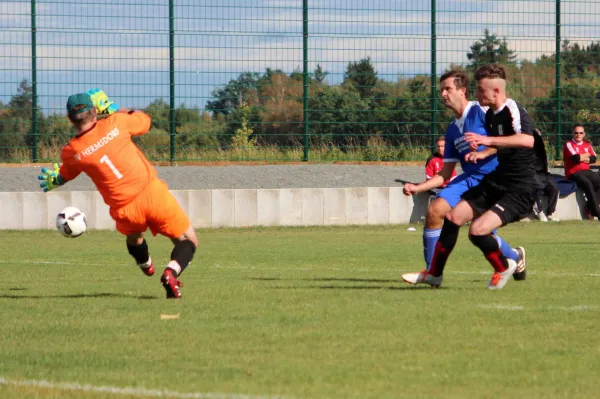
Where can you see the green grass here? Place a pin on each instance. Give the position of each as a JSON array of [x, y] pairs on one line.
[[303, 313], [377, 152]]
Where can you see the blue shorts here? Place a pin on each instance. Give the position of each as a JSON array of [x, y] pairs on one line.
[[453, 191]]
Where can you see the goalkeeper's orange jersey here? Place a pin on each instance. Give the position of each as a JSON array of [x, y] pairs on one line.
[[109, 157]]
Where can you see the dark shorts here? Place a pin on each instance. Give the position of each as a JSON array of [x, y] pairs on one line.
[[510, 205]]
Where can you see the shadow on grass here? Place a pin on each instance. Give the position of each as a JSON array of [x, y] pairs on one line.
[[374, 287], [346, 287], [76, 296], [349, 279], [359, 287]]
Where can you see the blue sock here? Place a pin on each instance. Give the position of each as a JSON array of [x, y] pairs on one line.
[[506, 249], [430, 238]]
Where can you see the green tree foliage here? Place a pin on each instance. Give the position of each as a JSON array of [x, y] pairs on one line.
[[490, 50], [362, 76], [244, 88], [319, 75], [363, 110], [16, 128], [579, 61], [337, 116]]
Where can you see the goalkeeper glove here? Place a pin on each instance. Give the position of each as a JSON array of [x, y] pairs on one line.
[[103, 104], [51, 178]]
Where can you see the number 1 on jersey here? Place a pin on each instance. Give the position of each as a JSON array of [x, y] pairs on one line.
[[107, 161]]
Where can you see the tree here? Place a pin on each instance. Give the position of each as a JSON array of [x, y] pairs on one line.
[[362, 76], [338, 117], [21, 104], [243, 89], [490, 50], [578, 61], [320, 74]]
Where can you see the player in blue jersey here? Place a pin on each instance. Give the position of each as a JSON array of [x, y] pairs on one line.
[[470, 117]]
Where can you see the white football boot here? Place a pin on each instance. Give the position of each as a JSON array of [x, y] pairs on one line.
[[499, 280], [423, 278]]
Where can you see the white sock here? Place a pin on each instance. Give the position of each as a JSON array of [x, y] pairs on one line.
[[147, 264], [173, 265]]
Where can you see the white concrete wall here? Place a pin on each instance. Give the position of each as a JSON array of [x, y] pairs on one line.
[[251, 207]]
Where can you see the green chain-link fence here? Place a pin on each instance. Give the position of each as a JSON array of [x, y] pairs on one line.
[[288, 80]]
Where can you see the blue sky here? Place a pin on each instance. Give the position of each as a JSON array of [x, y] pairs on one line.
[[123, 46]]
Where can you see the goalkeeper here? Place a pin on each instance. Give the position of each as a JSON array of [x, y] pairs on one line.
[[103, 149]]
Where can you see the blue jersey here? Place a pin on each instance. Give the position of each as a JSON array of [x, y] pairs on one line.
[[472, 120]]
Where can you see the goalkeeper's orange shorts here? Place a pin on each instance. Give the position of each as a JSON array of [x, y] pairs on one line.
[[155, 208]]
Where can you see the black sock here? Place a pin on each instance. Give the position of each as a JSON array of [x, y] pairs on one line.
[[139, 252], [491, 250], [444, 247], [182, 253]]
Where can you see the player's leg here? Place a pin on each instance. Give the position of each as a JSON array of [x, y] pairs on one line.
[[138, 249], [167, 217], [445, 244], [434, 220], [455, 219], [131, 222], [181, 256], [183, 251], [552, 192], [446, 199], [474, 202], [510, 207]]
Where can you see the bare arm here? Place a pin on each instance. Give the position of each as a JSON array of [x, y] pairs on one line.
[[519, 140], [479, 155], [435, 182]]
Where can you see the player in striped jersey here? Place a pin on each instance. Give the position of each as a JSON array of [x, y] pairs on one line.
[[504, 195], [475, 165]]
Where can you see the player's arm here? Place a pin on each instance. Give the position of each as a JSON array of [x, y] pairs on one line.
[[435, 182], [519, 140], [479, 155], [51, 178], [137, 122]]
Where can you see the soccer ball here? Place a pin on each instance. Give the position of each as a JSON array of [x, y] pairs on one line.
[[71, 222]]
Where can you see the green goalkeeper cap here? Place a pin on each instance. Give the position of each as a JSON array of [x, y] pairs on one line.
[[79, 103]]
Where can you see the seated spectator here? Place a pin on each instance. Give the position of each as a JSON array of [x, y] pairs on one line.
[[546, 186], [435, 163], [551, 191], [578, 154]]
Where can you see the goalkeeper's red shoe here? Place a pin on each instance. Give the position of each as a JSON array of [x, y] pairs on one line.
[[171, 284], [147, 268]]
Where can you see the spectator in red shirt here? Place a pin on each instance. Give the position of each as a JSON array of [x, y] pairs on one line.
[[435, 163], [578, 154]]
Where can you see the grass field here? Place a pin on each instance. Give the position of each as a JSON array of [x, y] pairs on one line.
[[299, 313]]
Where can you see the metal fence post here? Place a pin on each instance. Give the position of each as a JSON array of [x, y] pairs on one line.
[[172, 130], [433, 74], [558, 85], [34, 99], [305, 76]]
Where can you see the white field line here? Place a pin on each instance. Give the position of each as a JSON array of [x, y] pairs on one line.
[[576, 308], [302, 269], [141, 392]]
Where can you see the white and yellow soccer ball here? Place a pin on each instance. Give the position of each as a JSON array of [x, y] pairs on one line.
[[71, 222]]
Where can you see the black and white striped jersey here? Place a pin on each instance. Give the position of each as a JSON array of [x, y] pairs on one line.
[[516, 166]]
